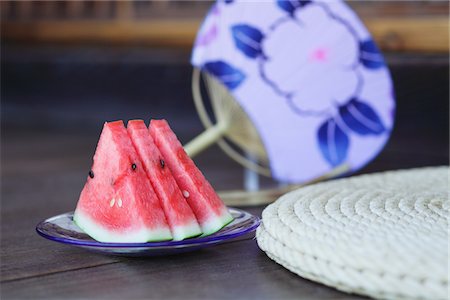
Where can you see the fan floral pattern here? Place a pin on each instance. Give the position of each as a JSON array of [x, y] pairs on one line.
[[301, 44]]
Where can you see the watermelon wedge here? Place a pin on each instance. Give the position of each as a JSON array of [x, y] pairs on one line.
[[210, 211], [180, 217], [117, 203]]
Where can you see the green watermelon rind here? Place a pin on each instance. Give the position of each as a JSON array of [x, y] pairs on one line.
[[101, 234], [186, 231], [210, 211], [215, 224], [163, 183]]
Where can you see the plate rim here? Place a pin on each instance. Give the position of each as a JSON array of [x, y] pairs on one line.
[[188, 242]]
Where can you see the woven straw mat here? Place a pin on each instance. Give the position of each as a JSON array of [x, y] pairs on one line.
[[384, 235]]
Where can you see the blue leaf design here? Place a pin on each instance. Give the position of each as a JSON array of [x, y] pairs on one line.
[[370, 55], [227, 74], [361, 118], [228, 1], [291, 5], [333, 142], [248, 39]]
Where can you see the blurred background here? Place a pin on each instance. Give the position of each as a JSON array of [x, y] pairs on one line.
[[68, 66]]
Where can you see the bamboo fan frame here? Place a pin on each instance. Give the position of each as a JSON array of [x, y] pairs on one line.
[[234, 125]]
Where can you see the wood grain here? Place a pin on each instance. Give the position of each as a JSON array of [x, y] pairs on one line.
[[231, 271], [44, 178], [32, 190], [425, 34], [46, 154], [169, 33], [420, 34]]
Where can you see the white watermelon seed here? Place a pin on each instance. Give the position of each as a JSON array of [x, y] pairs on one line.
[[119, 202], [111, 203], [186, 194]]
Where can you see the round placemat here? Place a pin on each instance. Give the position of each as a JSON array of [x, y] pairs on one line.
[[384, 235]]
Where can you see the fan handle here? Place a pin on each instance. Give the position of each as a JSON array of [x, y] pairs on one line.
[[216, 133], [206, 139]]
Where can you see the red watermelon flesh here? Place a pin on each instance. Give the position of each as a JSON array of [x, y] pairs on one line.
[[179, 215], [209, 209], [117, 203]]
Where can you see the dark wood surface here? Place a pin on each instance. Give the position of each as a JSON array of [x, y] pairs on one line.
[[42, 174], [42, 178], [45, 159]]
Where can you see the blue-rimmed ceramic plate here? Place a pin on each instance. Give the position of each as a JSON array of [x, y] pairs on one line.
[[62, 229]]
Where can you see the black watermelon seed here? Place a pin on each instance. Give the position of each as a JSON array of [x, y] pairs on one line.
[[133, 166], [161, 161], [91, 174]]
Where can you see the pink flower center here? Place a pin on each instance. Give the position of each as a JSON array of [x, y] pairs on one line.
[[320, 55]]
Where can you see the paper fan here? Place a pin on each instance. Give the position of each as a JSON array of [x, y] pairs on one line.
[[307, 78]]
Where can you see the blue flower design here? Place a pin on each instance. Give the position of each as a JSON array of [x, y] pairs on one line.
[[248, 39], [333, 142], [311, 50], [230, 76], [291, 5], [318, 74], [361, 118], [370, 55]]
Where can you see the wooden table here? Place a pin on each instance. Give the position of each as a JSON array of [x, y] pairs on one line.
[[43, 168], [43, 177]]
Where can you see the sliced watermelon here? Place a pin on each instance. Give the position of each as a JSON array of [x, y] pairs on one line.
[[117, 203], [211, 212], [179, 215]]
